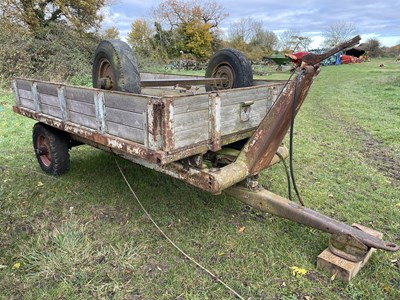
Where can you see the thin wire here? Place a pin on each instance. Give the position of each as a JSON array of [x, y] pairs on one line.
[[215, 277]]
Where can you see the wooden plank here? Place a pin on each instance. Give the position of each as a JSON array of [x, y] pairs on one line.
[[132, 103], [23, 84], [155, 76], [181, 81], [126, 132], [47, 88], [63, 103], [214, 124], [53, 111], [15, 92], [342, 268], [231, 121], [81, 107], [135, 120], [27, 103], [189, 137], [191, 103], [35, 96], [26, 94], [100, 112], [237, 96], [83, 120], [154, 116], [79, 94], [49, 99], [192, 120]]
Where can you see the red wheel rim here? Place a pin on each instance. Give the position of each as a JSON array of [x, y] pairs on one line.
[[43, 149], [105, 70]]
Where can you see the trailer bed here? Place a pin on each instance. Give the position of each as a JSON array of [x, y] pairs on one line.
[[161, 125]]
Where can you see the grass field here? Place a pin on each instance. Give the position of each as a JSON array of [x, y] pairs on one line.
[[83, 236]]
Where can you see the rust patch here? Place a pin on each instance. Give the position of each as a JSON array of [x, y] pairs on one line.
[[85, 135], [262, 146], [168, 131]]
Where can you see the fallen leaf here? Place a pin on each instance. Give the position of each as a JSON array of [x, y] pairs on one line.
[[40, 183], [398, 204], [298, 272], [221, 253], [241, 229], [16, 266], [333, 277]]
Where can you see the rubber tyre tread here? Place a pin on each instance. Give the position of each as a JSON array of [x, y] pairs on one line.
[[123, 62], [58, 148], [241, 67]]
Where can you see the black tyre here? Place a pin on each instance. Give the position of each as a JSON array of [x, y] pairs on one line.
[[232, 65], [115, 61], [51, 149]]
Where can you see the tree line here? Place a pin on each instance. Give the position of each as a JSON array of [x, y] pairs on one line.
[[52, 39]]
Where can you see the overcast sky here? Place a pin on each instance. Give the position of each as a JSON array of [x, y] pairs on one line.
[[309, 18]]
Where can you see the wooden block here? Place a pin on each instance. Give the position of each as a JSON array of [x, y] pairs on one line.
[[345, 269]]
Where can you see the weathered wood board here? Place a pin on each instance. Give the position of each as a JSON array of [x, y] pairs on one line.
[[175, 123], [342, 268]]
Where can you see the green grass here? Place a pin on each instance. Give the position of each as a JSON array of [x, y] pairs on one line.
[[83, 236]]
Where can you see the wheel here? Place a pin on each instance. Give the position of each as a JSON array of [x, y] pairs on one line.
[[232, 65], [51, 149], [114, 60]]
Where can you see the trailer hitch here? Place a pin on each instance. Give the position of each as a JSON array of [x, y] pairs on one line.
[[269, 202]]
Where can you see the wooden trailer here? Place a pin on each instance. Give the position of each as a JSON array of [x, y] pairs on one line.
[[216, 132]]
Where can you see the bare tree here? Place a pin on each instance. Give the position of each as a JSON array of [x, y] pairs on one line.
[[286, 40], [242, 31], [339, 32], [173, 13]]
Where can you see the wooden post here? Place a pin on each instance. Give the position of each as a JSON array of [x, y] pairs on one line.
[[343, 268], [215, 122]]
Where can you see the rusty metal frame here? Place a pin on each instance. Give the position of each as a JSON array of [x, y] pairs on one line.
[[182, 82], [267, 201]]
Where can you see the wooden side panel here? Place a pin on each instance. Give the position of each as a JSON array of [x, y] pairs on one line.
[[83, 120], [27, 94], [50, 104], [23, 84], [258, 102], [126, 132], [191, 120], [83, 108], [131, 103], [191, 104], [28, 103], [51, 110], [79, 94], [125, 116], [80, 105], [47, 88]]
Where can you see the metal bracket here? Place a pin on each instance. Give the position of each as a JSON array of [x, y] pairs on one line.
[[245, 109]]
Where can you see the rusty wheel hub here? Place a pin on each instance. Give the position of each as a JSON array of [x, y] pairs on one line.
[[225, 71], [43, 150], [105, 74]]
